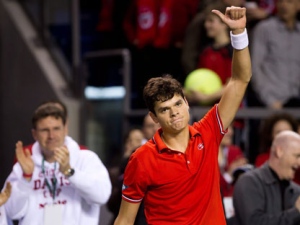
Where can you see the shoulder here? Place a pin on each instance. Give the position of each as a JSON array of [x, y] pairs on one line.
[[210, 122], [144, 157], [250, 177], [86, 159], [87, 156], [212, 113], [87, 153], [145, 150]]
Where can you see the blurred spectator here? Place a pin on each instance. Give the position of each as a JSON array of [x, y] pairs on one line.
[[51, 176], [276, 58], [196, 39], [228, 201], [216, 56], [158, 23], [133, 140], [258, 10], [155, 30], [111, 16], [267, 195], [271, 126], [230, 157], [149, 127]]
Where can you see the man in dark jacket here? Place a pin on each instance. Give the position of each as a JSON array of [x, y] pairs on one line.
[[267, 195]]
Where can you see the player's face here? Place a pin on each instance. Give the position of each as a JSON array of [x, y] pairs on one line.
[[173, 114], [50, 133]]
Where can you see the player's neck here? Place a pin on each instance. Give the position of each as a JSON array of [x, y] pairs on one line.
[[178, 142]]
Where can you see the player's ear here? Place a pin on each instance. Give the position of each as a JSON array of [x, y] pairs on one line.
[[153, 116]]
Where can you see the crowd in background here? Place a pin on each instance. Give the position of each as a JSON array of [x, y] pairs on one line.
[[180, 36]]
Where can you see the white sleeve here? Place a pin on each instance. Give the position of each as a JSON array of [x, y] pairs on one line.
[[3, 220], [91, 178], [16, 205]]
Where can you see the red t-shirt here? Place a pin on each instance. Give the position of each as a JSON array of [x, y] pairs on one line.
[[179, 188]]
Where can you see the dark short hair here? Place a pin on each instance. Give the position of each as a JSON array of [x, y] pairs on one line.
[[48, 109], [161, 89]]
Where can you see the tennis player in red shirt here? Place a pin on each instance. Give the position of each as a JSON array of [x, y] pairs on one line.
[[176, 173]]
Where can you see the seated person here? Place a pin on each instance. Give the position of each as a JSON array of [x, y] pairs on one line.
[[267, 195], [272, 125], [230, 158]]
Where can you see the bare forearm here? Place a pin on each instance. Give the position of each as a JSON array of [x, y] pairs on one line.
[[119, 221], [127, 213], [241, 65]]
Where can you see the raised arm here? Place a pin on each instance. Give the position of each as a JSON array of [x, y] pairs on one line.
[[235, 18]]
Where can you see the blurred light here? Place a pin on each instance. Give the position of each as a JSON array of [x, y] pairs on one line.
[[102, 93]]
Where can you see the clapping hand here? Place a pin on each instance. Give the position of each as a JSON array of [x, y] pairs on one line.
[[24, 159], [61, 155]]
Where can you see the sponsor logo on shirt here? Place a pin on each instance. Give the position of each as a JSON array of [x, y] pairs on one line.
[[200, 146]]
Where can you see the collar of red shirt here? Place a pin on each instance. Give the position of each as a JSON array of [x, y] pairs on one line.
[[161, 146]]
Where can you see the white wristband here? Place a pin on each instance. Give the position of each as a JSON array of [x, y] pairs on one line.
[[239, 41]]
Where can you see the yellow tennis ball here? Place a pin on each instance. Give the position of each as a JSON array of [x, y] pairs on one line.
[[203, 80]]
